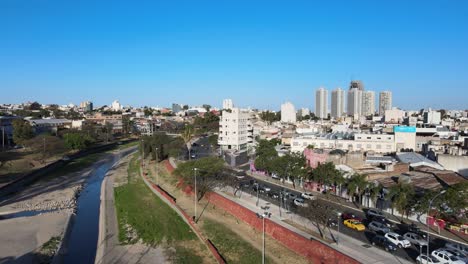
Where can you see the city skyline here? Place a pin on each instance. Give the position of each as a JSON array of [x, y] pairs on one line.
[[160, 53]]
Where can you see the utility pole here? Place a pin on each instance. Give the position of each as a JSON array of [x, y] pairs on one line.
[[195, 196], [3, 137]]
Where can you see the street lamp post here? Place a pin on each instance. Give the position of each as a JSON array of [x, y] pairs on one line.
[[427, 220], [195, 196], [338, 226], [157, 169], [258, 199], [262, 216]]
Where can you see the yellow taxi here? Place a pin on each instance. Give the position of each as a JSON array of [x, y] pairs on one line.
[[354, 224]]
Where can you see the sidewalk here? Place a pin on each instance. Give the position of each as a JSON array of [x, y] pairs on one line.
[[446, 235], [347, 245]]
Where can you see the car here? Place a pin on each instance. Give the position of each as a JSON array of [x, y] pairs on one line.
[[383, 220], [446, 257], [354, 224], [194, 155], [65, 158], [300, 202], [308, 196], [266, 188], [274, 195], [382, 242], [276, 177], [292, 196], [456, 246], [378, 227], [415, 239], [373, 213], [398, 240], [424, 259], [413, 228], [331, 222], [349, 215], [457, 253]]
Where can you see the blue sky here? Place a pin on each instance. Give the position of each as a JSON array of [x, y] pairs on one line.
[[259, 53]]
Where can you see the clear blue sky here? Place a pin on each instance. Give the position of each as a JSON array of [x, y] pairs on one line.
[[259, 53]]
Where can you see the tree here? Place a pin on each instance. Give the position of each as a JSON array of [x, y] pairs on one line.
[[213, 140], [320, 213], [35, 106], [127, 125], [22, 131], [402, 196], [290, 166], [166, 146], [270, 117], [147, 111], [46, 145], [326, 174], [209, 174], [187, 136], [356, 185], [266, 154], [207, 107], [77, 141]]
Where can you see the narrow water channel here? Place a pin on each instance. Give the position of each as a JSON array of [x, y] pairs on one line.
[[82, 242]]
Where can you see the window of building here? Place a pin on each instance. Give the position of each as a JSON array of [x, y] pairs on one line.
[[389, 146]]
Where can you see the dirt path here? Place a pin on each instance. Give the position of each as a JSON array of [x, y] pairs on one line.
[[275, 251]]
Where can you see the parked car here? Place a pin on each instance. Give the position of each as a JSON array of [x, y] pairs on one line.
[[384, 221], [398, 240], [460, 255], [300, 202], [349, 215], [308, 196], [378, 227], [382, 242], [424, 259], [274, 195], [446, 257], [266, 188], [373, 213], [416, 230], [276, 177], [415, 239], [456, 246], [354, 224], [331, 222], [292, 196], [65, 158]]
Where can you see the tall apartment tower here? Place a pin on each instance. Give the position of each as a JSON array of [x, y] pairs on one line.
[[356, 84], [227, 104], [288, 113], [355, 102], [368, 103], [337, 103], [385, 102], [234, 130], [321, 103]]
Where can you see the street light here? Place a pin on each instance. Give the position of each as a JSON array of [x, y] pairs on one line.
[[195, 196], [338, 226], [157, 169], [427, 220], [262, 216]]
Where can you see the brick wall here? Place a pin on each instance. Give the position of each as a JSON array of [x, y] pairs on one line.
[[314, 251]]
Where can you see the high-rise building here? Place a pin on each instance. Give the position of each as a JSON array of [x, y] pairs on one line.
[[356, 84], [87, 106], [176, 108], [431, 117], [368, 103], [337, 103], [304, 112], [116, 106], [288, 113], [227, 104], [355, 102], [235, 130], [385, 102], [321, 103]]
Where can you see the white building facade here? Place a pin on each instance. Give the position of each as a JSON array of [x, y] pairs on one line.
[[288, 113], [368, 103], [385, 102], [235, 130], [355, 102], [321, 103], [227, 104], [337, 103]]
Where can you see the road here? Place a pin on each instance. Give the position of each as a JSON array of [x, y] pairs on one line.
[[201, 148], [408, 253]]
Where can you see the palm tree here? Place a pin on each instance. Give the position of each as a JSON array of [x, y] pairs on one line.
[[356, 185], [402, 198], [187, 136]]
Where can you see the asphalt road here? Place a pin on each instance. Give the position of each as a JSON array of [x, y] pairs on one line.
[[365, 236], [201, 148]]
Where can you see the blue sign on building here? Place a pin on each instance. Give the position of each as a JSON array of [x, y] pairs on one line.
[[404, 129]]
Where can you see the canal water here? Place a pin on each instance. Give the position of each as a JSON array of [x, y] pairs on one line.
[[81, 244]]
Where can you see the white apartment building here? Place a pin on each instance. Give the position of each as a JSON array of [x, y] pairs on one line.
[[385, 102], [355, 102], [235, 130], [288, 113], [432, 117], [321, 103], [368, 103], [116, 106], [304, 112], [394, 115], [337, 103], [403, 138], [227, 104]]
